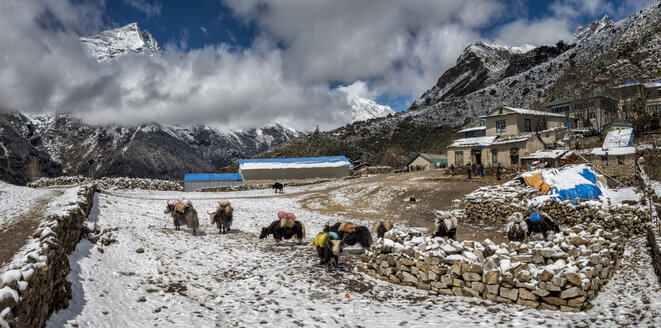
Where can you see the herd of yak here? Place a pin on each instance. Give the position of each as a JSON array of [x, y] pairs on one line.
[[333, 237]]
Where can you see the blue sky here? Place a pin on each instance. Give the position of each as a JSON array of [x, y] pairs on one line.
[[248, 63], [199, 23]]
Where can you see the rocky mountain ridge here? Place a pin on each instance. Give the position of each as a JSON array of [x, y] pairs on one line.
[[363, 109], [129, 39]]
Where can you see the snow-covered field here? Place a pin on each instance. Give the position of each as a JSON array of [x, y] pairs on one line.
[[236, 279], [17, 200]]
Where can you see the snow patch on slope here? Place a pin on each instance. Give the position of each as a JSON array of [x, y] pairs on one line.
[[363, 109]]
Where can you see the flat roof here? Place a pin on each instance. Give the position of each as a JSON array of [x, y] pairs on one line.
[[522, 111], [286, 163], [478, 128], [213, 177]]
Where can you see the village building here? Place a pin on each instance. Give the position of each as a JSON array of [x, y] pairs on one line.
[[543, 158], [282, 169], [477, 130], [426, 162], [635, 98], [197, 181], [511, 133], [616, 158], [590, 111]]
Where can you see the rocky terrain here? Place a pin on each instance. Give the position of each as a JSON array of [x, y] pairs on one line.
[[64, 145], [128, 39]]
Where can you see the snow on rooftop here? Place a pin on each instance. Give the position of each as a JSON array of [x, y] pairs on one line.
[[549, 153], [525, 111], [618, 138], [614, 151], [477, 128], [470, 142], [293, 163]]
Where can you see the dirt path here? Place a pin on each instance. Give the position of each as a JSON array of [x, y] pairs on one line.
[[15, 235]]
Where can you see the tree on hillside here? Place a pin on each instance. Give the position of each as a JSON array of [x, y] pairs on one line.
[[394, 157], [33, 169]]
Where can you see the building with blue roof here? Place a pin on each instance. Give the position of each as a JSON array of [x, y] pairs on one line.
[[197, 181], [280, 169]]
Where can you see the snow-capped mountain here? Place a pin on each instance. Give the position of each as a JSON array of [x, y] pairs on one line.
[[128, 39], [486, 75], [64, 145], [363, 109], [592, 28]]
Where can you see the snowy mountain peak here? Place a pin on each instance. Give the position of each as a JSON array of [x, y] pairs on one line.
[[363, 109], [128, 39], [592, 28]]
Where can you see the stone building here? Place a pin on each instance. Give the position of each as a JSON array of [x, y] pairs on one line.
[[426, 162], [616, 158], [593, 110], [635, 98], [281, 169]]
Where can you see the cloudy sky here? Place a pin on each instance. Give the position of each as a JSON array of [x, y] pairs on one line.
[[247, 63]]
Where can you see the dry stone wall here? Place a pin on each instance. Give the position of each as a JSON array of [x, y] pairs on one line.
[[35, 284], [563, 273], [110, 183], [653, 241]]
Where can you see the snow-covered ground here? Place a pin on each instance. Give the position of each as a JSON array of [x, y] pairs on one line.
[[236, 279], [17, 200]]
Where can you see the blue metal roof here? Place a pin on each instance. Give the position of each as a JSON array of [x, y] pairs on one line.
[[304, 160], [212, 177], [629, 81]]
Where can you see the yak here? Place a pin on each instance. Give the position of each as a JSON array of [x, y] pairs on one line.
[[182, 212], [328, 248], [516, 230], [445, 225], [285, 232], [541, 223], [381, 228], [359, 234], [278, 187], [223, 216]]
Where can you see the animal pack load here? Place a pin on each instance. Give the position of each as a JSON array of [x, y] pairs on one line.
[[536, 217], [347, 227], [287, 220], [179, 208], [321, 238]]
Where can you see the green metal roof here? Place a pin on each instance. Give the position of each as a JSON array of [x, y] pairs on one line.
[[590, 95], [435, 158]]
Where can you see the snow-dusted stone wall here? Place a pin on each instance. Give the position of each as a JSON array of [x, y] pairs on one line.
[[629, 219], [110, 183], [564, 273], [653, 241], [35, 284]]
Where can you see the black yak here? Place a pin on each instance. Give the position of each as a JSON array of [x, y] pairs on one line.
[[278, 187], [223, 216], [328, 248], [381, 228], [182, 212], [541, 223], [516, 229], [279, 232], [351, 234], [445, 225]]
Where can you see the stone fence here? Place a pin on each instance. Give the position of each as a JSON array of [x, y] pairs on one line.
[[628, 219], [35, 284], [110, 183], [564, 274], [652, 240]]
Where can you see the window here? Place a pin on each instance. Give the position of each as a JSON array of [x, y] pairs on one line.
[[494, 156], [604, 161], [527, 126], [501, 126], [620, 160], [459, 157]]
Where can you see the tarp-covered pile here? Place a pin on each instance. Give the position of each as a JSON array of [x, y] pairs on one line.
[[577, 182]]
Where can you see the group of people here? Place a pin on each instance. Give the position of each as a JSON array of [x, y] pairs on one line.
[[475, 170]]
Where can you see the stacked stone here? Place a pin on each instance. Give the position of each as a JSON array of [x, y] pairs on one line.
[[35, 284], [628, 219], [110, 183], [564, 274], [258, 186], [373, 170]]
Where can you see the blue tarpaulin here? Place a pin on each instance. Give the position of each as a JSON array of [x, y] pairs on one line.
[[583, 191], [212, 177]]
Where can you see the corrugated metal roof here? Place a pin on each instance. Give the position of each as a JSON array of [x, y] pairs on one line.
[[212, 177], [435, 158], [523, 111], [276, 163], [618, 138]]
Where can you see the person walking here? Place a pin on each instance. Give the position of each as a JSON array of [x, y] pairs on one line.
[[452, 169], [468, 171], [480, 169], [498, 171], [474, 168]]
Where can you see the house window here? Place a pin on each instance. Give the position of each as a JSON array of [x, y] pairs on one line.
[[527, 126], [604, 161], [501, 126], [459, 157], [620, 160]]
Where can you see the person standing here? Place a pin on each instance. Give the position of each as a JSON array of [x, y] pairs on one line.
[[452, 169], [480, 169], [468, 171], [498, 171], [474, 168]]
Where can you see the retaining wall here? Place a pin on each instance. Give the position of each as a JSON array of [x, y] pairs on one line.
[[656, 253], [35, 284]]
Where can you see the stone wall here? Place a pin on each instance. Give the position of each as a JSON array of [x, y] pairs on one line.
[[35, 284], [111, 183], [656, 253], [628, 219], [564, 274], [622, 167]]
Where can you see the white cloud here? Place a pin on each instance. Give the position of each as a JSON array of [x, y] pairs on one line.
[[149, 9], [538, 32]]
